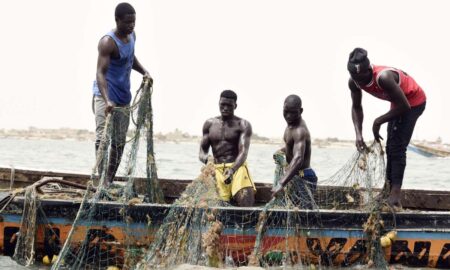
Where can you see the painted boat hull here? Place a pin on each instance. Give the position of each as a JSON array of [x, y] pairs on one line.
[[333, 237]]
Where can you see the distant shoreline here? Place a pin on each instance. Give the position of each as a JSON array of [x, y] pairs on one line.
[[176, 136]]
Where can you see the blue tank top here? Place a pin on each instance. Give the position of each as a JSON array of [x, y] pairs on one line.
[[118, 74]]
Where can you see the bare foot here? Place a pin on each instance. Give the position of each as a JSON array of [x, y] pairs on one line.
[[394, 196], [107, 183]]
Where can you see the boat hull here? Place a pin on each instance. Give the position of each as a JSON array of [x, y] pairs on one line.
[[428, 151], [327, 237]]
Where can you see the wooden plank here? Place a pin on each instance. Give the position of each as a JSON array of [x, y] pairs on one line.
[[426, 199], [172, 188]]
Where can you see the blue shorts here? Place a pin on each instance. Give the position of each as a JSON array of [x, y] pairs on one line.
[[302, 187]]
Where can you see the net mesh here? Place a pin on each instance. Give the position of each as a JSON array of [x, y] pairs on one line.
[[128, 225], [289, 237], [108, 231], [190, 232], [25, 246]]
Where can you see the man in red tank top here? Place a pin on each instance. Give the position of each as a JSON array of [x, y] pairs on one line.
[[407, 104]]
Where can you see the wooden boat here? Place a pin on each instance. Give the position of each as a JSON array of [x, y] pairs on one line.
[[333, 237], [429, 150]]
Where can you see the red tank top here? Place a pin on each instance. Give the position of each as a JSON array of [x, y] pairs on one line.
[[413, 92]]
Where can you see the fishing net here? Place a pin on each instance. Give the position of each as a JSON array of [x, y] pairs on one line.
[[299, 228], [109, 229], [190, 233], [288, 236], [36, 229], [127, 225], [303, 227], [25, 245]]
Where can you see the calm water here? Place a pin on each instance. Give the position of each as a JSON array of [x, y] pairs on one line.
[[181, 161]]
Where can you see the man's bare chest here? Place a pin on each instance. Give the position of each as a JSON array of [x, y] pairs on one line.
[[224, 132]]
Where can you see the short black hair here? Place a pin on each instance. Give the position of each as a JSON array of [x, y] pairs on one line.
[[229, 94], [358, 61], [123, 9], [294, 99]]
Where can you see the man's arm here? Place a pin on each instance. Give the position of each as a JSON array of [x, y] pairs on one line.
[[205, 143], [357, 114], [389, 84], [244, 145], [139, 68], [298, 152], [294, 166], [105, 49]]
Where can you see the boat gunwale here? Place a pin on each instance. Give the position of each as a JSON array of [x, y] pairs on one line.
[[417, 199], [50, 202]]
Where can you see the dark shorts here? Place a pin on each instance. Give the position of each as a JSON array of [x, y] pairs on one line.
[[301, 189]]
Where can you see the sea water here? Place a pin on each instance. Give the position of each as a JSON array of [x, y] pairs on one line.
[[180, 160]]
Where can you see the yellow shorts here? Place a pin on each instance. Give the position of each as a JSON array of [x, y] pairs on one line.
[[241, 179]]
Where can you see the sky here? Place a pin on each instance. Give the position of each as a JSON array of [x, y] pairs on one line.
[[264, 50]]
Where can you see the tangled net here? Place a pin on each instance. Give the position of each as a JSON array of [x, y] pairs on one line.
[[103, 232], [190, 233], [25, 246], [287, 236], [129, 226]]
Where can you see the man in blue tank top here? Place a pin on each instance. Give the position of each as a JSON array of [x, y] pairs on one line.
[[111, 90]]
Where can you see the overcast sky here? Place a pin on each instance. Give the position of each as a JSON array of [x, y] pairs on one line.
[[263, 50]]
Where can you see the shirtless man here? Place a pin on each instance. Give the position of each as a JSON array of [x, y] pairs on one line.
[[298, 155], [229, 137]]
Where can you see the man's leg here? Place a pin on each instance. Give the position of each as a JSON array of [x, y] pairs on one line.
[[100, 119], [245, 197], [242, 187], [120, 122], [301, 191], [400, 131], [388, 150], [223, 189]]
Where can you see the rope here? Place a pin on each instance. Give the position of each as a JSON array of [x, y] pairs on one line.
[[11, 182]]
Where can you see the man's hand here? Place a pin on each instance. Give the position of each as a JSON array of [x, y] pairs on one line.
[[148, 77], [206, 159], [276, 190], [376, 130], [228, 176], [360, 144], [109, 106], [280, 158]]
